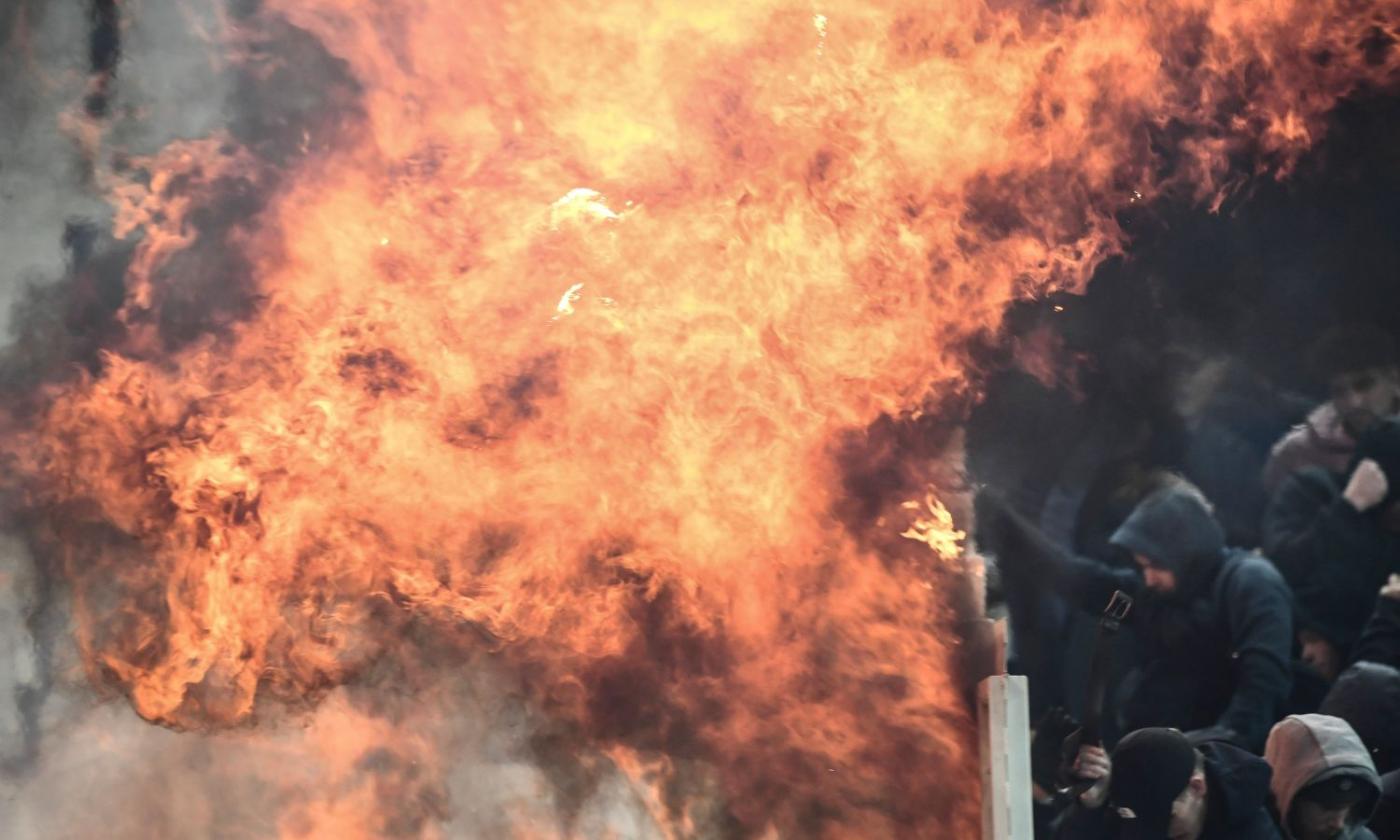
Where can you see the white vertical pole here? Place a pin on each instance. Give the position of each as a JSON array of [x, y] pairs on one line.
[[1003, 722]]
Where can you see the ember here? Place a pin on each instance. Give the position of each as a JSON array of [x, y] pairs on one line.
[[538, 342]]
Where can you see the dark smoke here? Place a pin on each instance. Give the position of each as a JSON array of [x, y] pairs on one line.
[[104, 51]]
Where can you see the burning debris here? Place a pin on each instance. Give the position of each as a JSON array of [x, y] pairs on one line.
[[480, 365]]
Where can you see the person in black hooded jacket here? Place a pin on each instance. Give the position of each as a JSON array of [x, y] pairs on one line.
[[1212, 625], [1385, 822], [1158, 785], [1335, 539], [1367, 695]]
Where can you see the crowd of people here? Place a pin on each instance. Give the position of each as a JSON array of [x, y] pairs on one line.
[[1254, 688]]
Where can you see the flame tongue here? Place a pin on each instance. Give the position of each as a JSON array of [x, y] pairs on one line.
[[548, 353]]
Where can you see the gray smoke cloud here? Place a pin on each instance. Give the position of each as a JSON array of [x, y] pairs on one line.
[[20, 668], [43, 183], [169, 85]]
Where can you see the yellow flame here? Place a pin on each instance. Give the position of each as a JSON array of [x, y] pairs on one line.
[[936, 530]]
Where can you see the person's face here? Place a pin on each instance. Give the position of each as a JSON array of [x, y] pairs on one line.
[[1157, 579], [1188, 810], [1311, 821], [1363, 398]]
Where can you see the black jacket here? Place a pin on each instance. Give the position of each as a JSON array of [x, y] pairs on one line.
[[1385, 822], [1334, 558], [1237, 795], [1216, 654], [1380, 639], [1221, 659]]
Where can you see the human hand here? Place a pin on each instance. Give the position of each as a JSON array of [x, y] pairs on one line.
[[1093, 763], [1391, 589], [1367, 486]]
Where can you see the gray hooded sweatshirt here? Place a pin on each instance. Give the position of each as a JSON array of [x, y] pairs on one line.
[[1306, 749]]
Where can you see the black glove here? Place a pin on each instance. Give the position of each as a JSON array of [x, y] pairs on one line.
[[1047, 747]]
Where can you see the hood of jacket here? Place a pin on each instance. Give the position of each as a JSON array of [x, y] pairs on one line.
[[1174, 529], [1306, 749], [1238, 785], [1367, 696]]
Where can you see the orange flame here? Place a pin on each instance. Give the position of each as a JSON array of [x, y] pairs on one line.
[[552, 349]]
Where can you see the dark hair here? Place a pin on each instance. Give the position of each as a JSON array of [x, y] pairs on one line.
[[1351, 348]]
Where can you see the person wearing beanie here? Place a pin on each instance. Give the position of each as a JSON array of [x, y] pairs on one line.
[[1324, 784], [1158, 785], [1336, 539], [1357, 363]]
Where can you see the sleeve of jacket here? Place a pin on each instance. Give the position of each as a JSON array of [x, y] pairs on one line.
[[1016, 540], [1325, 550], [1307, 523], [1380, 641], [1261, 635], [1079, 823]]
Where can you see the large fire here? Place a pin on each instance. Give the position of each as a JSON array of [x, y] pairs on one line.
[[554, 330]]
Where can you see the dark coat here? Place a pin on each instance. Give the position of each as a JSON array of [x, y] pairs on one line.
[[1380, 639], [1237, 795], [1216, 654], [1385, 822], [1237, 418], [1220, 659], [1334, 558]]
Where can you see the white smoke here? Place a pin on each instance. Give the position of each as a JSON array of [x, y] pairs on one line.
[[168, 86]]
